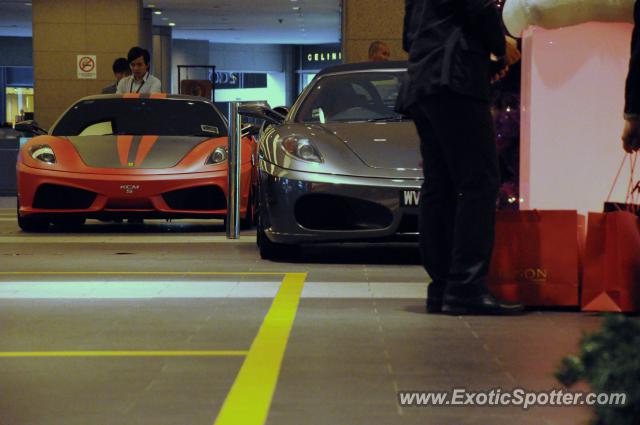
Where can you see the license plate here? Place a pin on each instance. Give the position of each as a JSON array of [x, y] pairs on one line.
[[409, 198]]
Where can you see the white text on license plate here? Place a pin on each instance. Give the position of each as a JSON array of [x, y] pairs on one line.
[[409, 198]]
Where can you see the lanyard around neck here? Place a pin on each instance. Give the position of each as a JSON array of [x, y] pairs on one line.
[[133, 79]]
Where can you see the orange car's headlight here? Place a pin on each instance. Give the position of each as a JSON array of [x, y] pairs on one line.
[[43, 153], [218, 156]]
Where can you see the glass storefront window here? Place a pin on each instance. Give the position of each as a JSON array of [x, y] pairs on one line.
[[306, 78], [19, 103]]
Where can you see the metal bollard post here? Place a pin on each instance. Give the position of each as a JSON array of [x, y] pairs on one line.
[[233, 167]]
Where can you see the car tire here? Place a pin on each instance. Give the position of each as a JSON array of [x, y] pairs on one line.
[[32, 223]]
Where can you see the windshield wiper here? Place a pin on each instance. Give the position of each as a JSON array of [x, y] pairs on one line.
[[394, 118]]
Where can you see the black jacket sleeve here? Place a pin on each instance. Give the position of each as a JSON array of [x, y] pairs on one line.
[[632, 88], [407, 31], [484, 18]]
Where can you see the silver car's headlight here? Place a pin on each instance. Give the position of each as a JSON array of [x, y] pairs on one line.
[[301, 148], [43, 153], [217, 156]]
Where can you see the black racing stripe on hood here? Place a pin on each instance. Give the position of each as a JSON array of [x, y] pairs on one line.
[[102, 151]]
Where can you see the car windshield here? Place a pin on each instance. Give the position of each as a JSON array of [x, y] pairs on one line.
[[165, 117], [352, 97]]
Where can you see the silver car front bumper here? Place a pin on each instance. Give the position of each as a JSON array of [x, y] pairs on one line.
[[302, 207]]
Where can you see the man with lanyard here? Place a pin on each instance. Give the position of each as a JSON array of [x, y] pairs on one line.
[[140, 80]]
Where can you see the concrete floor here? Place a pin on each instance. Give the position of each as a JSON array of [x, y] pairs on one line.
[[133, 324]]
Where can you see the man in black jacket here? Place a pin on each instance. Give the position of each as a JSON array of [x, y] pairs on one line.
[[631, 133], [121, 70], [456, 47]]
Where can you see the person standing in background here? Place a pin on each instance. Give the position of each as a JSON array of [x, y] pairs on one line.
[[140, 80], [120, 69], [379, 51]]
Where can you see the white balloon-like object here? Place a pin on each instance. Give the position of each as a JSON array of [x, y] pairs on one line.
[[519, 14]]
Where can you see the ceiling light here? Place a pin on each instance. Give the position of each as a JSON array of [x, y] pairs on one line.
[[157, 12], [164, 18], [172, 24], [296, 8], [28, 4], [151, 6]]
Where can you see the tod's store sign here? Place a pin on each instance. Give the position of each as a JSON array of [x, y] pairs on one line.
[[321, 56]]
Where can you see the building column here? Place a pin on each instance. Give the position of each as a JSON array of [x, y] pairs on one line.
[[289, 62], [64, 29], [146, 30], [364, 21], [3, 95], [161, 57]]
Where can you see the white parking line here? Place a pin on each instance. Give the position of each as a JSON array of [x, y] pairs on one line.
[[102, 289], [124, 239]]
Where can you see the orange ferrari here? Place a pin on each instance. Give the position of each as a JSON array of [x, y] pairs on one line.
[[132, 156]]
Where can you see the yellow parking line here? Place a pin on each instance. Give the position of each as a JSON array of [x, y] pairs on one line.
[[249, 400], [229, 353]]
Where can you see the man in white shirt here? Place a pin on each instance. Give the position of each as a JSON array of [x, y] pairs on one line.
[[140, 80]]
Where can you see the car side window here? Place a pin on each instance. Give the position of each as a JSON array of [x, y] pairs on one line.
[[97, 129]]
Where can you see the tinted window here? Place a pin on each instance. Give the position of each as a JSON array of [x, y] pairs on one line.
[[359, 96], [165, 117]]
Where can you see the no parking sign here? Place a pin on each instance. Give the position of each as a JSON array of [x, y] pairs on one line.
[[86, 66]]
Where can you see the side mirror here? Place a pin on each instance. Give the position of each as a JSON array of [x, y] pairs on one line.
[[30, 127], [249, 129], [282, 110], [262, 113]]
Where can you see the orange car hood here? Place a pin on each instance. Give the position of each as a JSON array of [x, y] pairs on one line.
[[134, 151]]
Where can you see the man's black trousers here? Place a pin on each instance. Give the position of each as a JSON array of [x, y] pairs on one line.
[[458, 197]]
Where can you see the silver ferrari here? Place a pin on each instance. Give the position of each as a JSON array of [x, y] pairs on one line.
[[341, 165]]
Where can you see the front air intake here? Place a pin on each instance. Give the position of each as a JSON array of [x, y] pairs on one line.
[[319, 211], [202, 198], [56, 197]]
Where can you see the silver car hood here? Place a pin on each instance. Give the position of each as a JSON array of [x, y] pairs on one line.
[[382, 145], [365, 149]]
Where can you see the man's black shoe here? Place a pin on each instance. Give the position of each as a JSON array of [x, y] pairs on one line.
[[485, 304], [434, 305], [435, 292]]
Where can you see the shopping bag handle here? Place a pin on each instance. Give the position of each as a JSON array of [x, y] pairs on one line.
[[633, 187]]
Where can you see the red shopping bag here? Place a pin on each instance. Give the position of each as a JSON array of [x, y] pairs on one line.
[[612, 257], [612, 263], [536, 257]]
